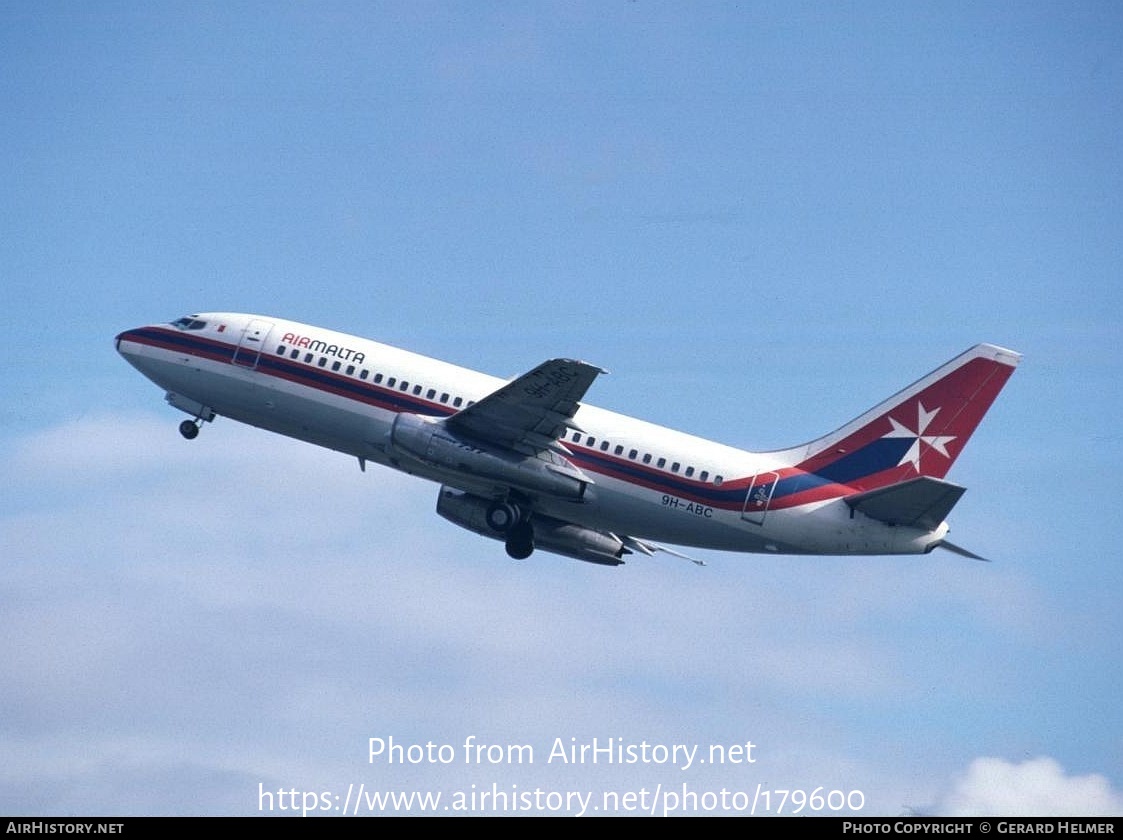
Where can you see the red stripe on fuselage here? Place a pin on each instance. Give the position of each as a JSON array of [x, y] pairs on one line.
[[729, 496]]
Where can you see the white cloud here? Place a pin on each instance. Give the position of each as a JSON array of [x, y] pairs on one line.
[[244, 607], [1038, 787]]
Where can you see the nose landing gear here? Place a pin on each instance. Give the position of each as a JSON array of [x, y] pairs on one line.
[[189, 429], [201, 413]]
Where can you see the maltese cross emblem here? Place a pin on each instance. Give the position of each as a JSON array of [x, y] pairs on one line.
[[923, 420]]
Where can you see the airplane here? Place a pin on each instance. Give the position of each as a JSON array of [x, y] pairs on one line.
[[526, 462]]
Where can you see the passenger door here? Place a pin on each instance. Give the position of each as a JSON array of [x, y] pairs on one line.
[[252, 343], [759, 497]]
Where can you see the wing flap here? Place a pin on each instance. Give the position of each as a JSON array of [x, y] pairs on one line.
[[919, 502], [649, 548]]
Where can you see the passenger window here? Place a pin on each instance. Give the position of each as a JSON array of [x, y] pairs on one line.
[[704, 475], [336, 365], [432, 394], [295, 354], [444, 398], [576, 437], [647, 457], [281, 349], [689, 471], [456, 402], [377, 378], [590, 441], [308, 358], [323, 361], [604, 446], [674, 467], [350, 370], [404, 386], [391, 382], [662, 462], [717, 480], [364, 373], [417, 390], [633, 454]]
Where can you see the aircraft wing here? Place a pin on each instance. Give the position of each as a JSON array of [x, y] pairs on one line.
[[920, 502], [529, 413]]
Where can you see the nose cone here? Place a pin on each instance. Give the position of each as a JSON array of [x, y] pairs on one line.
[[124, 338], [137, 345]]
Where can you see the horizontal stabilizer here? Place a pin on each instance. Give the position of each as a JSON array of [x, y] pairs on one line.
[[960, 550], [918, 503]]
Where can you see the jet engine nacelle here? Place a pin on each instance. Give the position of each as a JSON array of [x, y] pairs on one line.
[[429, 441], [550, 534]]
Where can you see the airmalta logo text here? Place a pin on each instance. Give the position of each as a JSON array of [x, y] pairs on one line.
[[317, 346]]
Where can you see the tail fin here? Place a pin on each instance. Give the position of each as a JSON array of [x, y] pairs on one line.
[[919, 431]]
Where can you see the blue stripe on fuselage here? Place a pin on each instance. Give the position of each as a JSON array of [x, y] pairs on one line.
[[876, 456]]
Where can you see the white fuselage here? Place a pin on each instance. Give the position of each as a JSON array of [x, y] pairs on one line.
[[344, 392]]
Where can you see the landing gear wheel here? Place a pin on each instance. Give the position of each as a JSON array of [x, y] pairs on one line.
[[520, 541], [189, 429], [502, 517]]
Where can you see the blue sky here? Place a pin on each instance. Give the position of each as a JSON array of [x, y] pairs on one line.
[[762, 218]]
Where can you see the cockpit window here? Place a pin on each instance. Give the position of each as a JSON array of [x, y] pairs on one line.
[[189, 322]]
